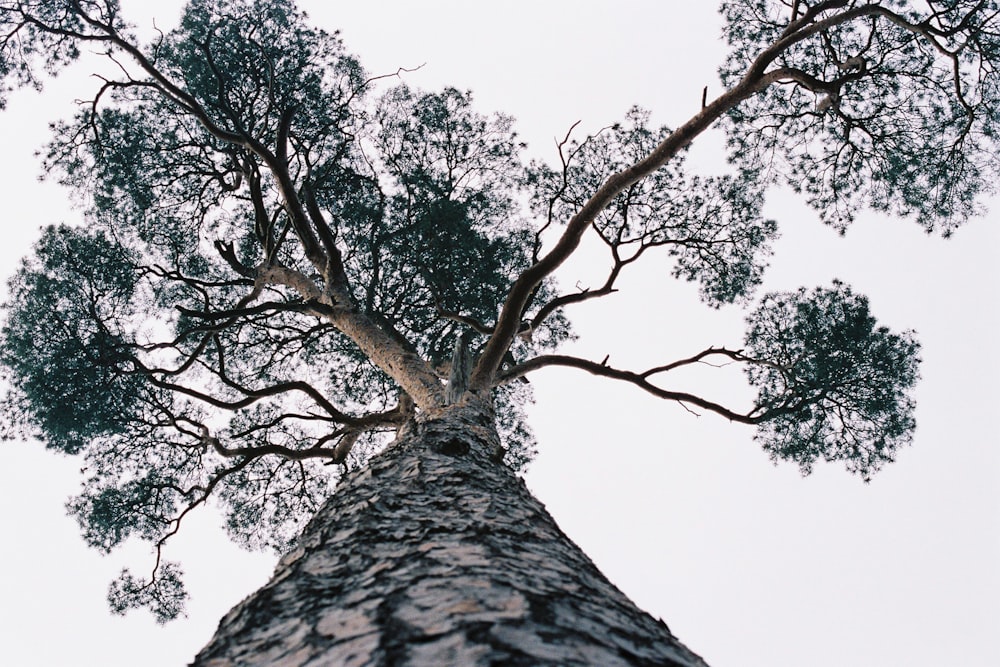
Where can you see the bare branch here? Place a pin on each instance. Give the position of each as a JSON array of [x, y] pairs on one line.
[[638, 379]]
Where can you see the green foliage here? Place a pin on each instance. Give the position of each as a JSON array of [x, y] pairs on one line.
[[113, 343], [249, 63], [832, 385], [515, 432], [164, 594], [269, 500], [872, 114], [30, 47], [449, 229], [62, 344], [107, 516]]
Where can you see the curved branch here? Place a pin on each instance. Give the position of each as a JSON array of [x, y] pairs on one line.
[[251, 396], [754, 80], [228, 253], [467, 320], [638, 379], [523, 288]]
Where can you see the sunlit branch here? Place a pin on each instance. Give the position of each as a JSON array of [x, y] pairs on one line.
[[378, 339], [755, 79], [276, 274]]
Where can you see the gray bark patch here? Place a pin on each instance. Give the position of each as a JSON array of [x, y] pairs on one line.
[[438, 555]]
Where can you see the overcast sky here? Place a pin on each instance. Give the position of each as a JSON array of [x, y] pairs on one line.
[[748, 563]]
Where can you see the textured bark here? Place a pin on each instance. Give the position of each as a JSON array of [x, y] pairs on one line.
[[436, 554]]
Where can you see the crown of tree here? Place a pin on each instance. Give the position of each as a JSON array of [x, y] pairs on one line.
[[285, 258]]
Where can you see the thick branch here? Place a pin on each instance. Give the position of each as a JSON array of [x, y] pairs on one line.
[[524, 286], [754, 80], [386, 350]]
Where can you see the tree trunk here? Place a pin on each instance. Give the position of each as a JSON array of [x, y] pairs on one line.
[[436, 554]]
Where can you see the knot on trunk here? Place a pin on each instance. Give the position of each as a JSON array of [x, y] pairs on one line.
[[452, 447], [464, 429]]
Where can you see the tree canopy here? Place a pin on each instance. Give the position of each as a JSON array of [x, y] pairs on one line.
[[281, 250]]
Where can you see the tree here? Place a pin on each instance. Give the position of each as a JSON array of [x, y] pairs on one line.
[[808, 403]]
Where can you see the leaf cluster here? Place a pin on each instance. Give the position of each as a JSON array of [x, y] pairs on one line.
[[878, 105], [835, 385]]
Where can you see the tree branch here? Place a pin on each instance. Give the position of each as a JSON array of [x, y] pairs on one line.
[[638, 379], [755, 79], [523, 288]]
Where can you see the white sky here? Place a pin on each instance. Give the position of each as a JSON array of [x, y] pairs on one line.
[[750, 564]]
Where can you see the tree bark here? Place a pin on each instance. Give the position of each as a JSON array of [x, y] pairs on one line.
[[437, 554]]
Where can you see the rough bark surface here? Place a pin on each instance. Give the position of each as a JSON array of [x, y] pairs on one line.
[[436, 554]]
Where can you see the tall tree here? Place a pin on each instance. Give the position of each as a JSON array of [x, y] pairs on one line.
[[278, 238]]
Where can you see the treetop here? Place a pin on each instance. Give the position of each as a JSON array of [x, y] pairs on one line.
[[283, 256]]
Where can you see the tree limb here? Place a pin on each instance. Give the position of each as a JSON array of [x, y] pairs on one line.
[[638, 379]]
